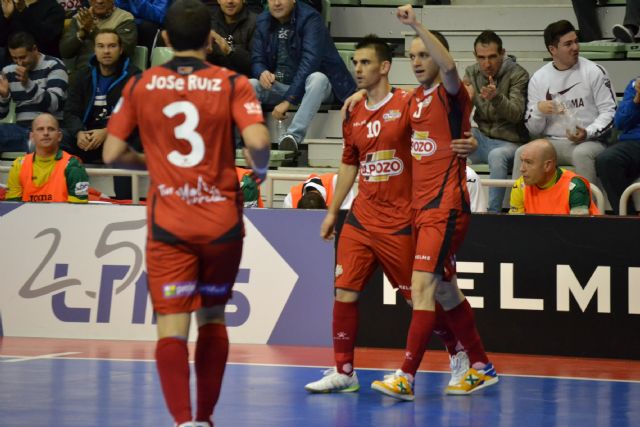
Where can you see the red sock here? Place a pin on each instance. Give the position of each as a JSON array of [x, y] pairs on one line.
[[420, 329], [345, 328], [172, 360], [212, 349], [463, 324], [441, 329]]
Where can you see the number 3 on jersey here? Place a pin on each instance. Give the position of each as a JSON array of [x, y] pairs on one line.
[[373, 128], [186, 131]]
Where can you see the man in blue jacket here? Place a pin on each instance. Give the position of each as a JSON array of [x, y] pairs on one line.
[[294, 62], [93, 96], [619, 165]]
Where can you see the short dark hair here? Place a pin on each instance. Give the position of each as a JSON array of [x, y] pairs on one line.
[[188, 24], [382, 49], [555, 31], [437, 34], [487, 37], [107, 31], [312, 199], [21, 39]]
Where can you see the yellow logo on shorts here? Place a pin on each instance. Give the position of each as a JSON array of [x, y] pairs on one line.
[[338, 270]]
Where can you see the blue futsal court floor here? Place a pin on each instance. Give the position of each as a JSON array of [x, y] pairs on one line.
[[58, 391]]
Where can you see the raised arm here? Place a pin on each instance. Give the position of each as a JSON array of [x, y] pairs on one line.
[[438, 52]]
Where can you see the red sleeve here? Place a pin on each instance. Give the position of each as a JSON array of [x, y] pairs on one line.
[[350, 155], [124, 117], [245, 108]]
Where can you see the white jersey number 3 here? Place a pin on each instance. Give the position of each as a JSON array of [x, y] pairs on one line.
[[186, 131]]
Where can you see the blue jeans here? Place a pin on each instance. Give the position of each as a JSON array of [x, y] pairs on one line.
[[13, 137], [499, 155], [316, 91]]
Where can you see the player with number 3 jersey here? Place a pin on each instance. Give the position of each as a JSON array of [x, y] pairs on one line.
[[185, 111]]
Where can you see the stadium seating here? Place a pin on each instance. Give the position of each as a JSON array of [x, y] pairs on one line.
[[160, 55], [140, 57]]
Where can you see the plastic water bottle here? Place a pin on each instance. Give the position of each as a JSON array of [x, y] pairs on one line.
[[280, 129]]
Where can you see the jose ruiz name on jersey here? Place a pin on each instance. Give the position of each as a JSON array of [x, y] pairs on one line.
[[191, 82]]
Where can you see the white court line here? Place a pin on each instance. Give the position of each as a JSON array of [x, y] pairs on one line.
[[43, 356]]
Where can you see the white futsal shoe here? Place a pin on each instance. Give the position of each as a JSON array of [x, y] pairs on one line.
[[459, 366], [334, 382]]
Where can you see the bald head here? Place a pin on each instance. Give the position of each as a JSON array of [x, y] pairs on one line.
[[44, 118], [544, 149], [45, 135], [538, 162]]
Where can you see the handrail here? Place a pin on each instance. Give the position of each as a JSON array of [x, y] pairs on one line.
[[134, 174], [268, 185], [624, 199]]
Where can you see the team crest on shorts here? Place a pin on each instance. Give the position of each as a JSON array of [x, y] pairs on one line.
[[338, 270], [422, 145]]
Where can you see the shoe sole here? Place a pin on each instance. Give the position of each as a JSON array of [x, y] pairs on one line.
[[485, 384], [387, 392], [622, 34], [288, 146], [351, 389]]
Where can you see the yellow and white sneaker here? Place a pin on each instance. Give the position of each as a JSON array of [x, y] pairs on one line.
[[474, 380], [398, 385]]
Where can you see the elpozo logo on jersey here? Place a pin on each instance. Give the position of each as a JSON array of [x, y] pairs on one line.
[[381, 165], [391, 115], [422, 145]]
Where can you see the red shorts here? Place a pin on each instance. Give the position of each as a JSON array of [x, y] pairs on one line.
[[439, 234], [182, 278], [360, 251]]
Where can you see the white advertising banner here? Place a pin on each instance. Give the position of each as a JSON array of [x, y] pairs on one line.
[[72, 271]]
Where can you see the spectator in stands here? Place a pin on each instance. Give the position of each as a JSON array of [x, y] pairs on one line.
[[324, 185], [76, 45], [476, 192], [544, 188], [587, 17], [149, 16], [93, 96], [498, 88], [49, 174], [44, 19], [233, 25], [619, 165], [36, 83], [571, 102], [295, 62]]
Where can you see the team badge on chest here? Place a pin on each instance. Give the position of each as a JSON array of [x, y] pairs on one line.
[[422, 145]]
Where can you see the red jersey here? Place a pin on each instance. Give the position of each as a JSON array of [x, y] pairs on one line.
[[439, 175], [376, 139], [185, 111]]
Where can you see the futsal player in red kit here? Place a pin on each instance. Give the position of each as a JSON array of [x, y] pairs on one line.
[[377, 230], [185, 111], [439, 110]]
